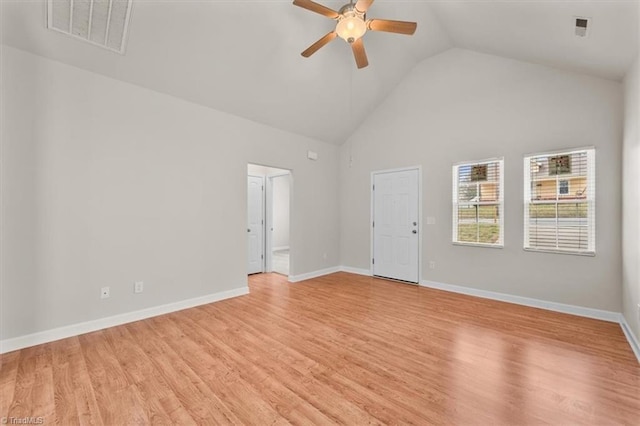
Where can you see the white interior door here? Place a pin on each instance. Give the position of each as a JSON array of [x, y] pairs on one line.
[[255, 226], [396, 237]]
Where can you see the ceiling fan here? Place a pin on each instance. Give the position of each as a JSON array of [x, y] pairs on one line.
[[352, 25]]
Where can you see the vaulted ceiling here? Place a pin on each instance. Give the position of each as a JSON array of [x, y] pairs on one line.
[[243, 56]]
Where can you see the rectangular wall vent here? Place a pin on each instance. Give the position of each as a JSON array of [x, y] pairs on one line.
[[582, 26], [100, 22]]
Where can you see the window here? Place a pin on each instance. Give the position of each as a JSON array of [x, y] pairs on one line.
[[559, 211], [563, 187], [478, 203]]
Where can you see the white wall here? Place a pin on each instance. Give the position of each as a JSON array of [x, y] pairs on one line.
[[280, 211], [631, 201], [105, 183], [461, 105], [258, 170]]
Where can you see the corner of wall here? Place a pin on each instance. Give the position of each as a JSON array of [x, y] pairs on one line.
[[631, 203]]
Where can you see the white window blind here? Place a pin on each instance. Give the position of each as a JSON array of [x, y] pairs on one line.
[[478, 203], [559, 211]]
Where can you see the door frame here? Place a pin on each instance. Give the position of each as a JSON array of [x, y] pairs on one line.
[[263, 216], [420, 218], [292, 214]]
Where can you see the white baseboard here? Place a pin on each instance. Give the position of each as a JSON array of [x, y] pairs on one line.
[[633, 341], [358, 271], [46, 336], [279, 248], [314, 274], [526, 301]]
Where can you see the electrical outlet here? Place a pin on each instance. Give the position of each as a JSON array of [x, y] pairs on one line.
[[105, 292], [432, 264], [138, 287]]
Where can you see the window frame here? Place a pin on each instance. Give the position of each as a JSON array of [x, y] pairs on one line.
[[456, 204], [590, 200]]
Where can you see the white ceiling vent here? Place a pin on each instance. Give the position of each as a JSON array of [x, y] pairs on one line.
[[582, 26], [100, 22]]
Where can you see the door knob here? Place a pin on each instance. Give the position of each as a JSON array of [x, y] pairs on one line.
[[248, 230], [415, 223], [414, 231]]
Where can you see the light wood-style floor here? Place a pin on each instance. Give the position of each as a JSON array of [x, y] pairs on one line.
[[338, 349]]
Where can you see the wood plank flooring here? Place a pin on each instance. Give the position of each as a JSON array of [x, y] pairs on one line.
[[340, 349]]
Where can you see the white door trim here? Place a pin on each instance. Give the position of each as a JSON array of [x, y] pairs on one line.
[[275, 175], [268, 237], [420, 223], [262, 207]]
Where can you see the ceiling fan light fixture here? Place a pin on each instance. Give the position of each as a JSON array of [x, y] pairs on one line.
[[351, 27]]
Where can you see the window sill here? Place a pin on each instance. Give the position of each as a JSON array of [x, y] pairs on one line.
[[569, 252], [494, 246]]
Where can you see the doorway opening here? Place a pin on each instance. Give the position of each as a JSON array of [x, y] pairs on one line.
[[268, 219]]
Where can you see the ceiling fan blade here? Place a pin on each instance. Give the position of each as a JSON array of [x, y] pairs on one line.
[[318, 44], [399, 27], [363, 5], [359, 53], [317, 8]]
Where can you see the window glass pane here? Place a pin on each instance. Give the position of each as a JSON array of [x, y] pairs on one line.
[[489, 192], [489, 213], [467, 214], [464, 174], [468, 192], [575, 213], [489, 233], [543, 189], [578, 188], [468, 232], [542, 211]]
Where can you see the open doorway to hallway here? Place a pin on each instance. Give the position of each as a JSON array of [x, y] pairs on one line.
[[268, 217]]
